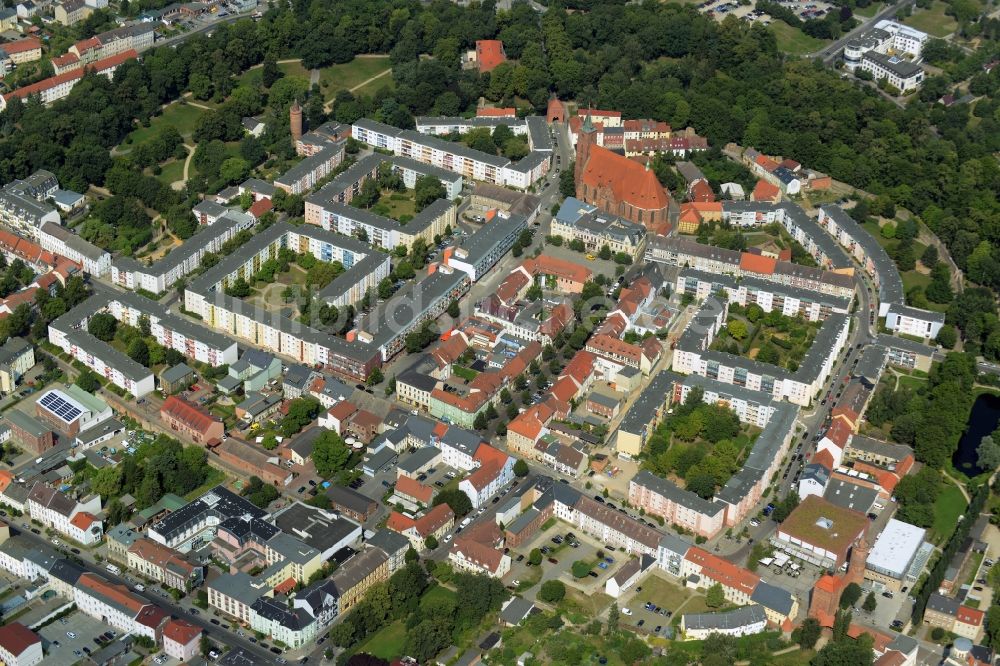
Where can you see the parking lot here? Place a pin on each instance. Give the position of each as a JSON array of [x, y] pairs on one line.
[[61, 648]]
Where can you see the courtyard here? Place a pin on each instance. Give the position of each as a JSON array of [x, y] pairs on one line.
[[771, 338]]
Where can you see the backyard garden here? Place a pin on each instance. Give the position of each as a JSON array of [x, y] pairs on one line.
[[771, 337]]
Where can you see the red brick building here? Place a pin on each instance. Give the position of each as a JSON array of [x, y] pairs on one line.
[[617, 184], [194, 423]]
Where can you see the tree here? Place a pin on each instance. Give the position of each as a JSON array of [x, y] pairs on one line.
[[88, 381], [330, 454], [580, 569], [850, 595], [870, 602], [737, 329], [715, 597], [993, 626], [785, 507], [614, 616], [453, 309], [456, 499], [239, 288], [138, 351], [701, 484], [846, 652], [552, 591], [431, 542], [103, 326], [947, 337], [988, 454], [809, 632], [521, 468], [929, 258], [427, 190], [567, 181], [375, 377], [535, 557]]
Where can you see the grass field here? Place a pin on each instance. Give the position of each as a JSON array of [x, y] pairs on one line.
[[661, 593], [252, 77], [436, 593], [182, 116], [949, 506], [933, 21], [171, 171], [868, 11], [348, 75], [578, 607], [793, 41], [914, 383], [386, 643], [396, 204]]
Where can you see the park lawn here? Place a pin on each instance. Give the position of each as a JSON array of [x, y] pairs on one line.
[[796, 658], [252, 77], [793, 41], [398, 204], [182, 116], [933, 21], [915, 383], [949, 506], [578, 607], [662, 593], [351, 74], [435, 593], [373, 87], [386, 643], [171, 171], [868, 11]]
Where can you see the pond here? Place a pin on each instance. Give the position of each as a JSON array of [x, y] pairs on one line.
[[983, 420]]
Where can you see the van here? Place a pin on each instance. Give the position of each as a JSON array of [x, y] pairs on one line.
[[139, 587], [465, 523], [113, 569]]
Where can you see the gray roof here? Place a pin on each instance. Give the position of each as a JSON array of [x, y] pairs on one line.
[[900, 67], [381, 459], [872, 363], [388, 541], [177, 373], [942, 604], [210, 208], [890, 284], [516, 610], [26, 422], [350, 499], [674, 544], [491, 237], [738, 617], [889, 449], [689, 172], [74, 242], [237, 586], [771, 596], [917, 313], [905, 344], [638, 418], [315, 527], [356, 569], [100, 430], [572, 209], [850, 495], [305, 167], [670, 490]]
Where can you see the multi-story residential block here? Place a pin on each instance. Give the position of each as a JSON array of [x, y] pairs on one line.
[[62, 241], [476, 255], [304, 175], [358, 574], [23, 205], [57, 87], [71, 12], [116, 606], [951, 615], [434, 523], [742, 621], [17, 356], [19, 51], [183, 260]]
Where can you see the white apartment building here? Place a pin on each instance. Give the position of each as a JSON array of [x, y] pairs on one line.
[[65, 515], [57, 239], [116, 606]]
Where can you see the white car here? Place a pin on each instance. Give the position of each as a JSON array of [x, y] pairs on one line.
[[447, 538], [515, 582], [70, 635], [626, 611]]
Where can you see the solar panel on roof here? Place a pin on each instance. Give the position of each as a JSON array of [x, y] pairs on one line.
[[60, 407]]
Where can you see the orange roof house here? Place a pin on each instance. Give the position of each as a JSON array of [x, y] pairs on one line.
[[765, 191], [755, 263], [690, 219], [489, 54], [766, 163], [186, 418], [415, 490], [701, 191], [619, 185], [496, 112]]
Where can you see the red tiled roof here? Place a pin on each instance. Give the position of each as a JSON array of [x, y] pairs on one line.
[[560, 268], [881, 641], [432, 521], [757, 264], [151, 616], [564, 389], [689, 214], [598, 113], [192, 416], [83, 520], [489, 54], [824, 458], [629, 181], [398, 522], [413, 488], [286, 586], [182, 632], [484, 474], [92, 583], [891, 658], [970, 616], [839, 433], [579, 367], [478, 553], [342, 410], [764, 191], [700, 190], [766, 163], [495, 112], [260, 207], [526, 425], [16, 638], [21, 45], [723, 571], [51, 82], [65, 59], [611, 346]]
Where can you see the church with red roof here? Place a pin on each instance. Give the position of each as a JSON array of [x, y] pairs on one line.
[[617, 184]]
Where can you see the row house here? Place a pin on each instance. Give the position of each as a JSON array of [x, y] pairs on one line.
[[164, 565], [114, 605], [71, 518], [57, 87]]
